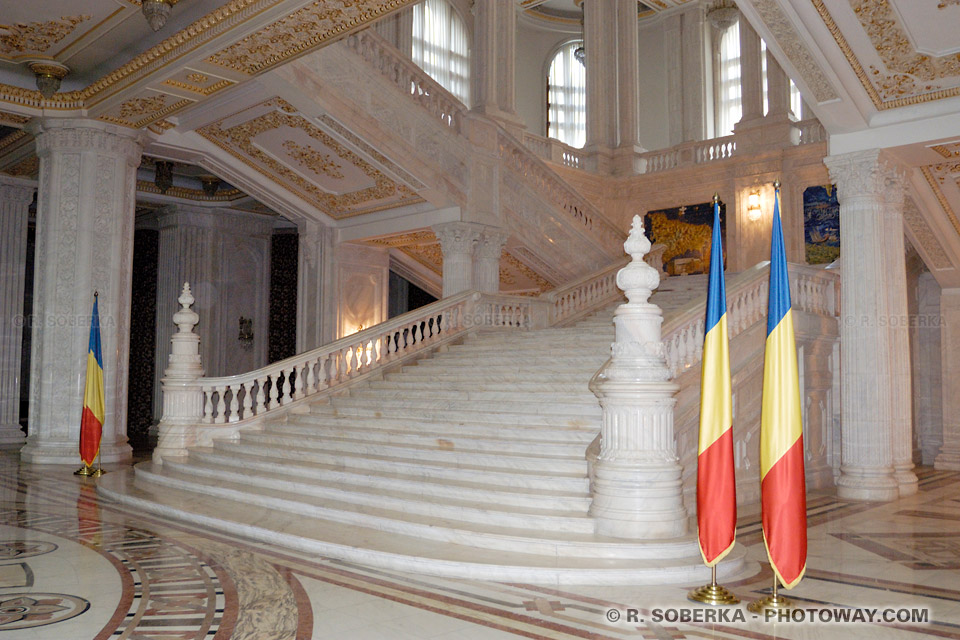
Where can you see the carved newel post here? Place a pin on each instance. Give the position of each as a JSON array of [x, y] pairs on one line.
[[182, 396], [637, 487]]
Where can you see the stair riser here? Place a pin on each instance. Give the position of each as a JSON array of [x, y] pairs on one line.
[[454, 417], [550, 482], [465, 406], [316, 422], [431, 509]]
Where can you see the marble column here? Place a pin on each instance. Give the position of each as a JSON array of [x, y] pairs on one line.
[[927, 380], [456, 242], [637, 488], [494, 59], [15, 198], [694, 77], [316, 287], [85, 218], [486, 259], [751, 73], [949, 457], [875, 365]]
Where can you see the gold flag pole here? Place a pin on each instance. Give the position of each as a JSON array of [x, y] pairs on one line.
[[772, 602], [713, 593]]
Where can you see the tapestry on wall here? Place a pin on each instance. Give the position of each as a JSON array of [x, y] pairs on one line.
[[685, 232], [821, 224]]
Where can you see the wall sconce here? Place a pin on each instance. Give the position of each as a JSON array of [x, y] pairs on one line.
[[246, 332], [753, 206]]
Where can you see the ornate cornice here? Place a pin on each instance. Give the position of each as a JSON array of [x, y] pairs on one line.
[[897, 89], [37, 37], [925, 236], [935, 175], [223, 195]]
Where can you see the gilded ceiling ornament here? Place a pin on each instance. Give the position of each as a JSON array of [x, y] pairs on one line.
[[26, 168], [946, 3], [314, 160], [36, 37], [198, 78], [141, 106], [238, 141], [429, 255], [947, 151], [542, 283], [935, 176], [404, 239]]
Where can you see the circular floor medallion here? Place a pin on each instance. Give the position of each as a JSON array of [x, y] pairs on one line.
[[18, 549], [27, 610]]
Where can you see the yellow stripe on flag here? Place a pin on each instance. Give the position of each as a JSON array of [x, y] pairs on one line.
[[716, 410], [780, 420], [93, 396]]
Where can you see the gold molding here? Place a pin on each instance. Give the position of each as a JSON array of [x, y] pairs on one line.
[[155, 107], [943, 149], [28, 167], [224, 195], [12, 138], [37, 37], [941, 198], [862, 75], [237, 141], [13, 119], [204, 91]]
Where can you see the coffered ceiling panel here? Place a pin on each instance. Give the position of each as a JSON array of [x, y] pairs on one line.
[[310, 158]]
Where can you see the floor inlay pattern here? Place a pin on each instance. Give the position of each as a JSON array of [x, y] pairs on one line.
[[179, 581]]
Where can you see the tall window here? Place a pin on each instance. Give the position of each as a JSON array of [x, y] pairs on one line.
[[440, 46], [729, 106], [567, 98]]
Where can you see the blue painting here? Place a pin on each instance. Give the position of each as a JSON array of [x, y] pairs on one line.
[[686, 233], [821, 224]]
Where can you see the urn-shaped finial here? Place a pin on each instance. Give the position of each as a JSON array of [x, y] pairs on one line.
[[185, 317], [638, 279]]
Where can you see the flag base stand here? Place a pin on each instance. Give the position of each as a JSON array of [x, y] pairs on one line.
[[772, 602], [89, 471], [713, 593]]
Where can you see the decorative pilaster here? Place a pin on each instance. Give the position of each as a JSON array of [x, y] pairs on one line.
[[456, 243], [875, 365], [85, 221], [949, 457], [182, 399], [751, 73], [637, 486], [316, 287], [15, 198], [494, 59], [486, 259]]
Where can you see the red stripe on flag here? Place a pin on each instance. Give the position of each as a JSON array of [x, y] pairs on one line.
[[716, 499], [784, 504], [90, 431]]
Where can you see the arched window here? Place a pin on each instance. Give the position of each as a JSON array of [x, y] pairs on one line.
[[441, 46], [567, 97], [729, 106]]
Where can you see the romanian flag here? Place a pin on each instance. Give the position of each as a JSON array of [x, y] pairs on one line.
[[782, 487], [716, 484], [91, 421]]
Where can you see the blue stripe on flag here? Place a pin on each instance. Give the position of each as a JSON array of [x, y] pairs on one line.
[[716, 292], [95, 334], [779, 301]]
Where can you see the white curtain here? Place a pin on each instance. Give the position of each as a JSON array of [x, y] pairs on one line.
[[441, 46], [729, 106], [567, 98]]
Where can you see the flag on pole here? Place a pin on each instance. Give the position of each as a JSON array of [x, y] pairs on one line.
[[91, 421], [716, 483], [782, 488]]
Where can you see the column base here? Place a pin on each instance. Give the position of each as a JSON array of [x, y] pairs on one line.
[[11, 437], [906, 479], [871, 485], [68, 452], [638, 500], [947, 461]]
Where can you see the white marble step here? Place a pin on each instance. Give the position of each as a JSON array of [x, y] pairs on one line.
[[399, 382], [520, 369], [449, 440], [548, 358], [455, 417], [559, 480], [425, 487], [580, 346], [311, 423], [521, 406], [460, 511], [510, 458], [482, 376], [657, 563], [581, 397]]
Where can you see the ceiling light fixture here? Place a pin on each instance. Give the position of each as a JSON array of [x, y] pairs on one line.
[[723, 15], [156, 12], [210, 185], [164, 175], [49, 74]]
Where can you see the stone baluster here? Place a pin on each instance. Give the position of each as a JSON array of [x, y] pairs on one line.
[[183, 402], [637, 483]]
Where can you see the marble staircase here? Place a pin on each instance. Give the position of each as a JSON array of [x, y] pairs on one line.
[[468, 463]]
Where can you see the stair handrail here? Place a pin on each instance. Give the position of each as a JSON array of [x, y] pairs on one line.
[[812, 290], [584, 295], [238, 400]]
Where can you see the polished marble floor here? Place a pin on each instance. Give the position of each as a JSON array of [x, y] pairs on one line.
[[73, 566]]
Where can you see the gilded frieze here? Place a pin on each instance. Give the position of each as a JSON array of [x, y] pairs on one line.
[[36, 37], [303, 29], [947, 150], [935, 177], [138, 112], [239, 141], [429, 255], [223, 195], [314, 160], [26, 168], [516, 265]]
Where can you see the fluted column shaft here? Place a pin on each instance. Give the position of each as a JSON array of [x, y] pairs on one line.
[[486, 259], [85, 218], [456, 243], [875, 358], [316, 287], [751, 72], [494, 57], [15, 198], [949, 457]]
